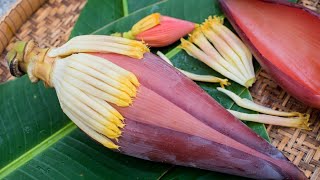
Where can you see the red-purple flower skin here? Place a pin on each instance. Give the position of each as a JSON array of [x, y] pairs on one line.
[[297, 27], [173, 120]]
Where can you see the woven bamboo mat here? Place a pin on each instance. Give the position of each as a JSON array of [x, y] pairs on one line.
[[52, 23]]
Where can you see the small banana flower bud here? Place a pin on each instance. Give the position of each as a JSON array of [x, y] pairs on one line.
[[157, 30]]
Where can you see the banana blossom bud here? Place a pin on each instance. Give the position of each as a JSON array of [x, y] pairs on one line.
[[147, 109], [157, 30]]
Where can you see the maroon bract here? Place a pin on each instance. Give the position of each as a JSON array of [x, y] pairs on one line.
[[173, 120], [285, 39]]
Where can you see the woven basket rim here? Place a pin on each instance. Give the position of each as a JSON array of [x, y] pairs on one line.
[[15, 17]]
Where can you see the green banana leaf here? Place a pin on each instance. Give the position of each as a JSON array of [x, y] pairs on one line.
[[38, 141]]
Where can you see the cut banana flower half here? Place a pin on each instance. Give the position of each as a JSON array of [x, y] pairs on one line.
[[280, 118], [219, 48], [88, 86], [196, 77]]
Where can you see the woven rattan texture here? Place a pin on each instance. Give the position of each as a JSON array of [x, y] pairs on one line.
[[53, 22], [15, 18], [311, 4], [300, 146], [50, 25]]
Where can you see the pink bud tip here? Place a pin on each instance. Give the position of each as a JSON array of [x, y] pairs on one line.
[[167, 32]]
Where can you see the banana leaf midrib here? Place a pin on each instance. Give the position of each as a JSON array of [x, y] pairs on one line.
[[37, 149]]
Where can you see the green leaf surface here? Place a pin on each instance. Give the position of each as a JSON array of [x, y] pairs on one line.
[[29, 114], [98, 13], [78, 157], [134, 5], [37, 139]]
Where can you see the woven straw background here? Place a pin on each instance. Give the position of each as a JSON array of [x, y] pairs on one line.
[[52, 23]]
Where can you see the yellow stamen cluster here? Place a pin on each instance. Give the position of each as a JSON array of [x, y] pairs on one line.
[[218, 47], [144, 24], [301, 122], [86, 86], [101, 43], [288, 119], [197, 77]]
